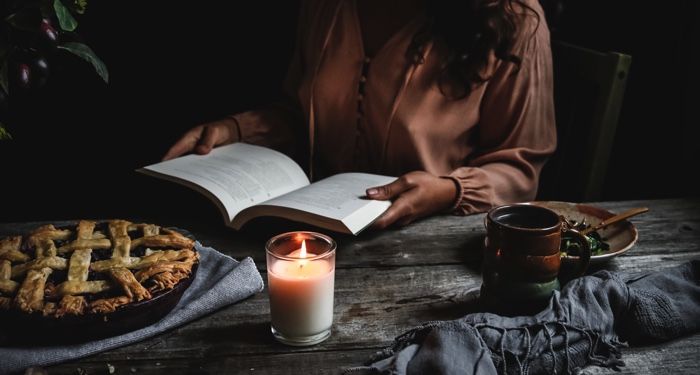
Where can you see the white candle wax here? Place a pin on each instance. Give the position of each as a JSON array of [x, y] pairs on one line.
[[301, 295]]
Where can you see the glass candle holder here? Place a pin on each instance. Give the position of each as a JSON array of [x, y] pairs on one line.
[[300, 276]]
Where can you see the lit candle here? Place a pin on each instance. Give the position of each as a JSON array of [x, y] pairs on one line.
[[300, 274]]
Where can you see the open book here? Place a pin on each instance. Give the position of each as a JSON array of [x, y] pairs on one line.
[[247, 181]]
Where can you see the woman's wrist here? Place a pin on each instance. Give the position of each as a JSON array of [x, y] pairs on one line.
[[234, 128], [457, 195]]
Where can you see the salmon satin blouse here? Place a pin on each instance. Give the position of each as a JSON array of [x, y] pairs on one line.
[[386, 114]]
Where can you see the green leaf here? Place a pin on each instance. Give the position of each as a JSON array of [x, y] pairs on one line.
[[3, 133], [80, 6], [3, 77], [65, 19], [84, 52]]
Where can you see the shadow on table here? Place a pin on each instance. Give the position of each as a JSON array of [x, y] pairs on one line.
[[244, 335]]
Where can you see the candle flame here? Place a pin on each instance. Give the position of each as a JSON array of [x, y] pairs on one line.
[[302, 254]]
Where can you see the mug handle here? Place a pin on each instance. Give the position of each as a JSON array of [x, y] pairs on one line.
[[585, 256]]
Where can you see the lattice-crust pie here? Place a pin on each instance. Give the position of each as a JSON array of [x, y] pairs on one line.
[[91, 269]]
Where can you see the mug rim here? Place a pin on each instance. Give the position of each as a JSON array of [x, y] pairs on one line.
[[541, 230]]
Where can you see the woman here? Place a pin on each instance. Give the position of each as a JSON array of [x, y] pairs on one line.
[[453, 96]]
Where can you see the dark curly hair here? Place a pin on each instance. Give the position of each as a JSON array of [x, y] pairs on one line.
[[471, 30]]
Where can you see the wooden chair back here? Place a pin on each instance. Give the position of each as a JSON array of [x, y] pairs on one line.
[[588, 90]]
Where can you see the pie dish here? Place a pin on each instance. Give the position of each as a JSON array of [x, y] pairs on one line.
[[92, 279], [620, 236]]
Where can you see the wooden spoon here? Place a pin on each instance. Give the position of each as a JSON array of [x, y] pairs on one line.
[[615, 219]]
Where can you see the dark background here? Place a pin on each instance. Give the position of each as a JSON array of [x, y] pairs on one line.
[[172, 66]]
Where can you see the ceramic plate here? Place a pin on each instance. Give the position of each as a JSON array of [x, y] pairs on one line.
[[621, 236]]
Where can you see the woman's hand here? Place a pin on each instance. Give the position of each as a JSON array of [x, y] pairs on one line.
[[415, 195], [203, 138]]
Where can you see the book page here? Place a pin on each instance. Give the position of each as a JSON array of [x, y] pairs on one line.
[[238, 175], [340, 197]]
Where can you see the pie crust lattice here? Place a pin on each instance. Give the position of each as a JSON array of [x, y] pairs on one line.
[[94, 268]]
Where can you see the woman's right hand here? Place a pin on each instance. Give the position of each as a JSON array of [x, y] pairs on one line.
[[203, 138]]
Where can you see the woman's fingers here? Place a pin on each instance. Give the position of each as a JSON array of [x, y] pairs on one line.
[[203, 138], [394, 213], [185, 144], [415, 195], [401, 212], [208, 140], [391, 190]]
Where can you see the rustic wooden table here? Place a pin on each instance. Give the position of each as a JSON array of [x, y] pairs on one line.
[[387, 283]]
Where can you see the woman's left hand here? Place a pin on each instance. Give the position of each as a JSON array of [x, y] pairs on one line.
[[414, 195]]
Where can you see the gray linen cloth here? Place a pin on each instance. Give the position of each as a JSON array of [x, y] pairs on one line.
[[220, 281], [583, 325]]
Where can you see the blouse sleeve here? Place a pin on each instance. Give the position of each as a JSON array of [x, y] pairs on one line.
[[279, 125], [516, 130]]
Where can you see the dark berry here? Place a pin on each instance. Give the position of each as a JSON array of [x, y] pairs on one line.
[[24, 75], [40, 72], [30, 70], [47, 30]]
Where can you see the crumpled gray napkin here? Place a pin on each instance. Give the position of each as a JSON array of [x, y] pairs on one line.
[[582, 325], [220, 281]]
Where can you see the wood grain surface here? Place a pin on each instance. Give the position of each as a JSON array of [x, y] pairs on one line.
[[386, 283]]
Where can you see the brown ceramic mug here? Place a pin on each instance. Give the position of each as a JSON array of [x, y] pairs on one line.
[[523, 243]]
